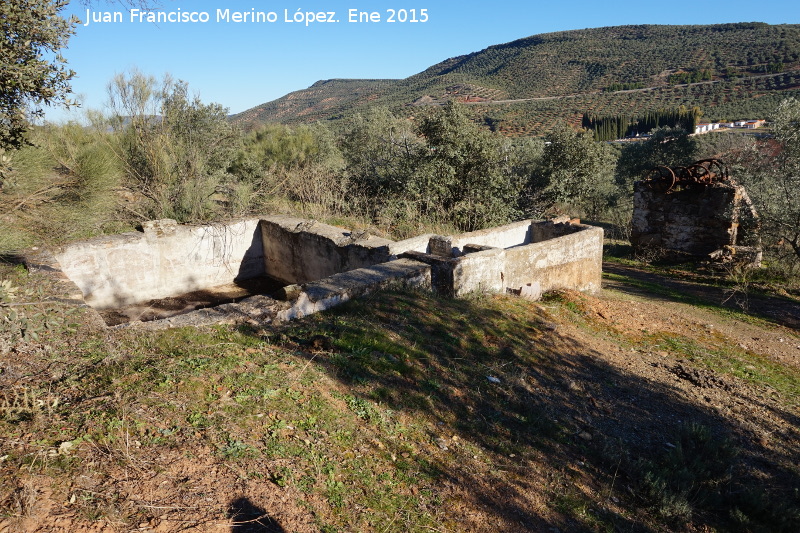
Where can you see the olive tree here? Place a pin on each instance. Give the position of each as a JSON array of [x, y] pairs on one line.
[[666, 146], [773, 180], [381, 152], [465, 172], [447, 169], [34, 73], [574, 171]]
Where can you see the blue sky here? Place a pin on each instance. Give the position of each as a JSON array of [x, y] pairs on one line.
[[241, 65]]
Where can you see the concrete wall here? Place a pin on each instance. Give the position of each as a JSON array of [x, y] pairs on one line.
[[562, 255], [330, 264], [506, 236], [339, 288], [166, 259], [298, 250], [549, 229], [570, 261], [418, 244]]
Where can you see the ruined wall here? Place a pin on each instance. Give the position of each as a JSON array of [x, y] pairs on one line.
[[571, 258], [506, 236], [324, 265], [166, 259], [328, 292], [563, 255], [692, 221], [299, 251]]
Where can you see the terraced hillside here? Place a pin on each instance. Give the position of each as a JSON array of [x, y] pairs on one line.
[[324, 99], [525, 86]]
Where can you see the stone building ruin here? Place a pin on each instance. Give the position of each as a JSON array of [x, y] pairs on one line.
[[274, 268], [695, 213]]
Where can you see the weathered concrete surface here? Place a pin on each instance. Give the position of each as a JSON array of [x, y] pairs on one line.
[[544, 230], [419, 243], [166, 259], [506, 236], [563, 255], [298, 250], [571, 259], [257, 310], [693, 222], [323, 265], [342, 287]]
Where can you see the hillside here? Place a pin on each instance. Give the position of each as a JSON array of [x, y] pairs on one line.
[[327, 98], [525, 86], [649, 407]]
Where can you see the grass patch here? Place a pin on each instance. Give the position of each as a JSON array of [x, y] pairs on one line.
[[403, 397]]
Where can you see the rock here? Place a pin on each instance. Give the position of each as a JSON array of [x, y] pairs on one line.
[[585, 435], [289, 293], [531, 291], [65, 447]]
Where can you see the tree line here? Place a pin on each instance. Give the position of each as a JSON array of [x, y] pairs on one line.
[[611, 127], [158, 151]]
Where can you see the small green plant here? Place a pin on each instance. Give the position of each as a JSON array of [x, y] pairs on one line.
[[235, 449], [198, 420], [693, 474], [27, 320], [282, 477], [362, 408]]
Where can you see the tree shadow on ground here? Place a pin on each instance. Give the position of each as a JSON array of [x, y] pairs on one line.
[[249, 518], [774, 308], [550, 411]]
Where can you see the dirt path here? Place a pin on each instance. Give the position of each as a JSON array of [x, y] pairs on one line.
[[673, 311]]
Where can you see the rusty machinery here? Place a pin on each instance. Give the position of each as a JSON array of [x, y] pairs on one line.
[[699, 174]]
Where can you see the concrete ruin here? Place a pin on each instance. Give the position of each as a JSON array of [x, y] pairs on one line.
[[277, 268], [695, 213]]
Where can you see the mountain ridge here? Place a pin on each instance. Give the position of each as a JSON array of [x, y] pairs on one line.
[[509, 84]]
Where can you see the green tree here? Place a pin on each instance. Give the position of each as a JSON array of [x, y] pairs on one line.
[[447, 170], [175, 148], [574, 170], [465, 172], [34, 73], [773, 181], [666, 146], [381, 152]]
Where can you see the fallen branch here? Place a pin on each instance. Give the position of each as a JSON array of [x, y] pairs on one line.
[[43, 302]]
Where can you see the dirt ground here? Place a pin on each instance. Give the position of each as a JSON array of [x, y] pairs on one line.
[[610, 384]]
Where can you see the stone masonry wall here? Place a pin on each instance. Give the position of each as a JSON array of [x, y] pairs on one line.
[[694, 221]]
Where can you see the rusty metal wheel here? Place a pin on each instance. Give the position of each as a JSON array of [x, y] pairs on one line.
[[661, 179]]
